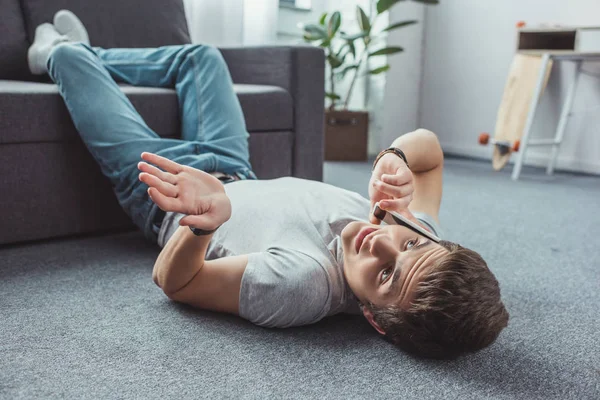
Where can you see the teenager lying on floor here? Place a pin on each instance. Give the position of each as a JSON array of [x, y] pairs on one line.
[[282, 252]]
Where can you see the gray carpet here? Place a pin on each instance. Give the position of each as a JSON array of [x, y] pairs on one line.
[[81, 318]]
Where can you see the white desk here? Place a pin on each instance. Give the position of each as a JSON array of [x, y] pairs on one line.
[[578, 58]]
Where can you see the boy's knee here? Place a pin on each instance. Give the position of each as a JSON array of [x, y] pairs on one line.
[[67, 52], [207, 54]]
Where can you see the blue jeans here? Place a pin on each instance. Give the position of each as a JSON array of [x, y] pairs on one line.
[[213, 131]]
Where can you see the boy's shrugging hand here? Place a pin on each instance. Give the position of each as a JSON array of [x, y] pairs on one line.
[[187, 190], [391, 185]]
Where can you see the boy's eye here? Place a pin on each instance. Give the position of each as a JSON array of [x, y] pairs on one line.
[[411, 243], [385, 274]]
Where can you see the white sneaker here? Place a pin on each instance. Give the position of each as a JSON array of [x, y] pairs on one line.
[[67, 23], [46, 38]]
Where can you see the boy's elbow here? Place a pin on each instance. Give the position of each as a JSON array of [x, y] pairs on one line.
[[167, 282], [155, 275], [168, 288], [170, 292], [431, 142], [161, 279], [428, 135]]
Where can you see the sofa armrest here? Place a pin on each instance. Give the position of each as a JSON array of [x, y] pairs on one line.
[[301, 71]]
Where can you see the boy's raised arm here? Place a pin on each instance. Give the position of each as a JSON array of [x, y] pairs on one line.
[[198, 195]]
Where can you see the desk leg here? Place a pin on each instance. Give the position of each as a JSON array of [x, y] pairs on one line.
[[532, 109], [564, 117]]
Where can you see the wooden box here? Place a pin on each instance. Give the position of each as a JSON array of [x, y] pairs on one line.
[[346, 135]]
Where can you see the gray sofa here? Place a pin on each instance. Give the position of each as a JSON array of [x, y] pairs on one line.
[[49, 182]]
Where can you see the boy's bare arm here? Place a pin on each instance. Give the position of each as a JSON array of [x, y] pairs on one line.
[[185, 276], [181, 270], [180, 260], [422, 150], [419, 188]]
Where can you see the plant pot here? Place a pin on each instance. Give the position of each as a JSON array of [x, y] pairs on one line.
[[346, 135]]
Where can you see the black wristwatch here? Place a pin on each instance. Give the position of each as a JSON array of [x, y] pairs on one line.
[[394, 150], [201, 232]]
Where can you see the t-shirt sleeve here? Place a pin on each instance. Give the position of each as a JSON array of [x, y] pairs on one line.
[[283, 288]]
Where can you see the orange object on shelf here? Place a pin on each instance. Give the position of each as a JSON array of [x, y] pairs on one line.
[[521, 24]]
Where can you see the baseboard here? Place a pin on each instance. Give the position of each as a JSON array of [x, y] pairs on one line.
[[563, 163]]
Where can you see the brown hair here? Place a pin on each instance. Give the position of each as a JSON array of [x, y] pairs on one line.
[[456, 308]]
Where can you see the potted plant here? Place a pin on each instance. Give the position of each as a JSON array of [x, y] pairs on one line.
[[346, 131]]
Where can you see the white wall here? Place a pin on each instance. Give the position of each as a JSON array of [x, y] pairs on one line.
[[404, 79], [469, 45], [226, 23], [288, 31]]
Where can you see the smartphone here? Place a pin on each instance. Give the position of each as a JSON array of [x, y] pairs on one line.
[[392, 218]]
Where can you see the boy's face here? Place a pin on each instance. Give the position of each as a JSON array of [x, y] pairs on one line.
[[383, 264]]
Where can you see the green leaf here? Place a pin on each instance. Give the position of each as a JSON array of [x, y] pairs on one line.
[[347, 69], [338, 54], [386, 50], [384, 5], [363, 20], [379, 70], [325, 43], [332, 96], [400, 25], [334, 61], [352, 49], [355, 36], [334, 24], [322, 19], [316, 31], [310, 38], [430, 2]]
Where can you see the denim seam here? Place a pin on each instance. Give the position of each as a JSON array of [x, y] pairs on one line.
[[132, 63], [199, 110], [216, 167]]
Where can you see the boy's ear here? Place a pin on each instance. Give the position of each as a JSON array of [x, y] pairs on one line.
[[369, 316]]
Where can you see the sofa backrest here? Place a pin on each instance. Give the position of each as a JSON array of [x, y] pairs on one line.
[[13, 41], [110, 23]]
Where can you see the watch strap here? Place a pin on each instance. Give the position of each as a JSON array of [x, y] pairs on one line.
[[394, 150], [201, 232]]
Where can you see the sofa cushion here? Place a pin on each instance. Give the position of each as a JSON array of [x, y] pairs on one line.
[[13, 41], [117, 23], [35, 112], [266, 108], [57, 189]]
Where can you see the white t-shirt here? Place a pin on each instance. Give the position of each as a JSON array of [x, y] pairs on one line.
[[290, 228]]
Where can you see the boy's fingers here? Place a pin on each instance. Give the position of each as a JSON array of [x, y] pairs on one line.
[[162, 162], [164, 187], [151, 169], [374, 220], [392, 190], [397, 205], [396, 180], [165, 203]]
